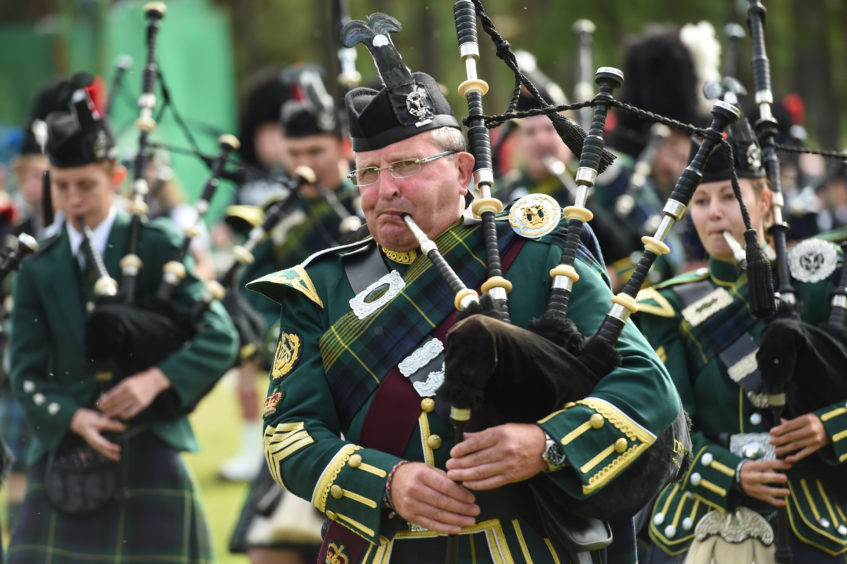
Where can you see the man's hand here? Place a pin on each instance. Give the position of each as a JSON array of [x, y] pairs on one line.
[[133, 394], [90, 425], [802, 435], [425, 496], [498, 456], [759, 476]]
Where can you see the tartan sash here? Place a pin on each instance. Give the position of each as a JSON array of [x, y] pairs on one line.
[[319, 231], [725, 336], [358, 353]]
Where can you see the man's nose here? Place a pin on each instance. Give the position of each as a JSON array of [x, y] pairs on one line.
[[387, 184]]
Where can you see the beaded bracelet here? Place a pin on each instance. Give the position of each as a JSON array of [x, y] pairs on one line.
[[386, 498]]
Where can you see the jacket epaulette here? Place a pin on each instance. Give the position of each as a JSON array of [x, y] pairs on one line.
[[297, 279], [651, 301]]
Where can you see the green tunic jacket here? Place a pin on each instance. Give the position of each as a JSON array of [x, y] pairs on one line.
[[710, 379], [311, 453], [47, 343], [311, 226]]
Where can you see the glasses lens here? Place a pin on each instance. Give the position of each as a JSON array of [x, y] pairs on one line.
[[364, 176], [402, 169]]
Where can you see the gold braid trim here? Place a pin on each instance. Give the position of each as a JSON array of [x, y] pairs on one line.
[[351, 523], [329, 475], [834, 413], [605, 474], [401, 257], [712, 487], [793, 506], [620, 420], [632, 430], [281, 442]]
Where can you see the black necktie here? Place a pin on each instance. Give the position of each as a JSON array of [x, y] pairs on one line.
[[89, 272]]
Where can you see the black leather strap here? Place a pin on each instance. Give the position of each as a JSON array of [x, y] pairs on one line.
[[364, 266]]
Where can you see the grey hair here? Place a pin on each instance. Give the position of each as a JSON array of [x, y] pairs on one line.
[[448, 139]]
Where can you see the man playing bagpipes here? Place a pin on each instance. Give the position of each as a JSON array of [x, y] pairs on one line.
[[107, 483], [316, 217], [352, 421]]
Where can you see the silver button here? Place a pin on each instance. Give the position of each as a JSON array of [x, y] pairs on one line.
[[756, 418], [658, 518], [707, 458], [687, 523], [695, 479], [29, 386], [53, 408], [824, 522], [842, 530], [38, 399], [670, 531]]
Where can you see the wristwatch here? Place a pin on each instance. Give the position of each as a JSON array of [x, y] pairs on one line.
[[553, 455]]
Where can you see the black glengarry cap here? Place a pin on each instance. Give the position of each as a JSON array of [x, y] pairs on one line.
[[406, 105], [78, 138]]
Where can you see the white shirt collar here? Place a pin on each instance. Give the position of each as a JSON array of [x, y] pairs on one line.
[[99, 238]]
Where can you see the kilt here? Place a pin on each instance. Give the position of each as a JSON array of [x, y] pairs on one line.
[[13, 428], [162, 521], [259, 525]]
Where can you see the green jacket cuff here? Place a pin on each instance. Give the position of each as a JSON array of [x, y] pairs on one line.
[[712, 476], [834, 419], [351, 488]]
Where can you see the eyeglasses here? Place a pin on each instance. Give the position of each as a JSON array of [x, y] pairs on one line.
[[398, 169]]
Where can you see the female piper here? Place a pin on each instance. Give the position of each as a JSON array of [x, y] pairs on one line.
[[747, 467]]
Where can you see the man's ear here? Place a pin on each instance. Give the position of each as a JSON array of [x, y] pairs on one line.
[[118, 175], [465, 163]]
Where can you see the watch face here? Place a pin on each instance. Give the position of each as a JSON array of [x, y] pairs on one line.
[[557, 457], [554, 455]]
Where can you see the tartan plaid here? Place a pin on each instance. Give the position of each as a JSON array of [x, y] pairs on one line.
[[357, 353], [720, 330], [162, 521], [318, 232], [13, 427]]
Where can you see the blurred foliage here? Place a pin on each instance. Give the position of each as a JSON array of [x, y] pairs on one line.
[[805, 42]]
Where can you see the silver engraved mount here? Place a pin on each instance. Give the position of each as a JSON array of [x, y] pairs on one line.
[[425, 367], [377, 294]]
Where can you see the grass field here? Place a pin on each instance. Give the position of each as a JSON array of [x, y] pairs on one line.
[[217, 424]]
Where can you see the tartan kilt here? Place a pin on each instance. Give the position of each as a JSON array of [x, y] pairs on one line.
[[13, 427], [162, 521]]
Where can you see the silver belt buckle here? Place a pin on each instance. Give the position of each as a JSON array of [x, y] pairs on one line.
[[755, 446]]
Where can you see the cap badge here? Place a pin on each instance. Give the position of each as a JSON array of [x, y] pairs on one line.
[[101, 145], [325, 120], [754, 157], [417, 104]]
